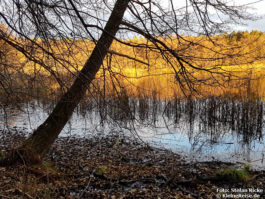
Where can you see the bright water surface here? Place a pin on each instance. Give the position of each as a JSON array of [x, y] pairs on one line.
[[183, 138]]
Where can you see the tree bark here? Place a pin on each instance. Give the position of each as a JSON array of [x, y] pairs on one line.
[[37, 145]]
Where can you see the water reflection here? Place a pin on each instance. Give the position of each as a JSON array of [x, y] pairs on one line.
[[202, 129]]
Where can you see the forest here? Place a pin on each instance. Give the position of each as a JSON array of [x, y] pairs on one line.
[[145, 72], [130, 99]]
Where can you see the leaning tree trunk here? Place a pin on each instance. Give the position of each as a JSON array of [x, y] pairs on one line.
[[36, 146]]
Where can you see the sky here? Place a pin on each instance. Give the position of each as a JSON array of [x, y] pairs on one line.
[[258, 10], [255, 8]]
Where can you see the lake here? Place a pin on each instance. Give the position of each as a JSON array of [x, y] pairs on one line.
[[200, 130]]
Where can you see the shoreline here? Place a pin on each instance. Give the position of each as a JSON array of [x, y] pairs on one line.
[[118, 167]]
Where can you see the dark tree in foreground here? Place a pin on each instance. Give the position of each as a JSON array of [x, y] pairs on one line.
[[155, 20]]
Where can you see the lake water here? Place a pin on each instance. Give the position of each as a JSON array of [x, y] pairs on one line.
[[190, 139]]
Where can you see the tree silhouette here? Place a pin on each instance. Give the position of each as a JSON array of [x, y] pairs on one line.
[[102, 22]]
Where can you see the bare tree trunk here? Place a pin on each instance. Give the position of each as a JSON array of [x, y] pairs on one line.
[[36, 146]]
